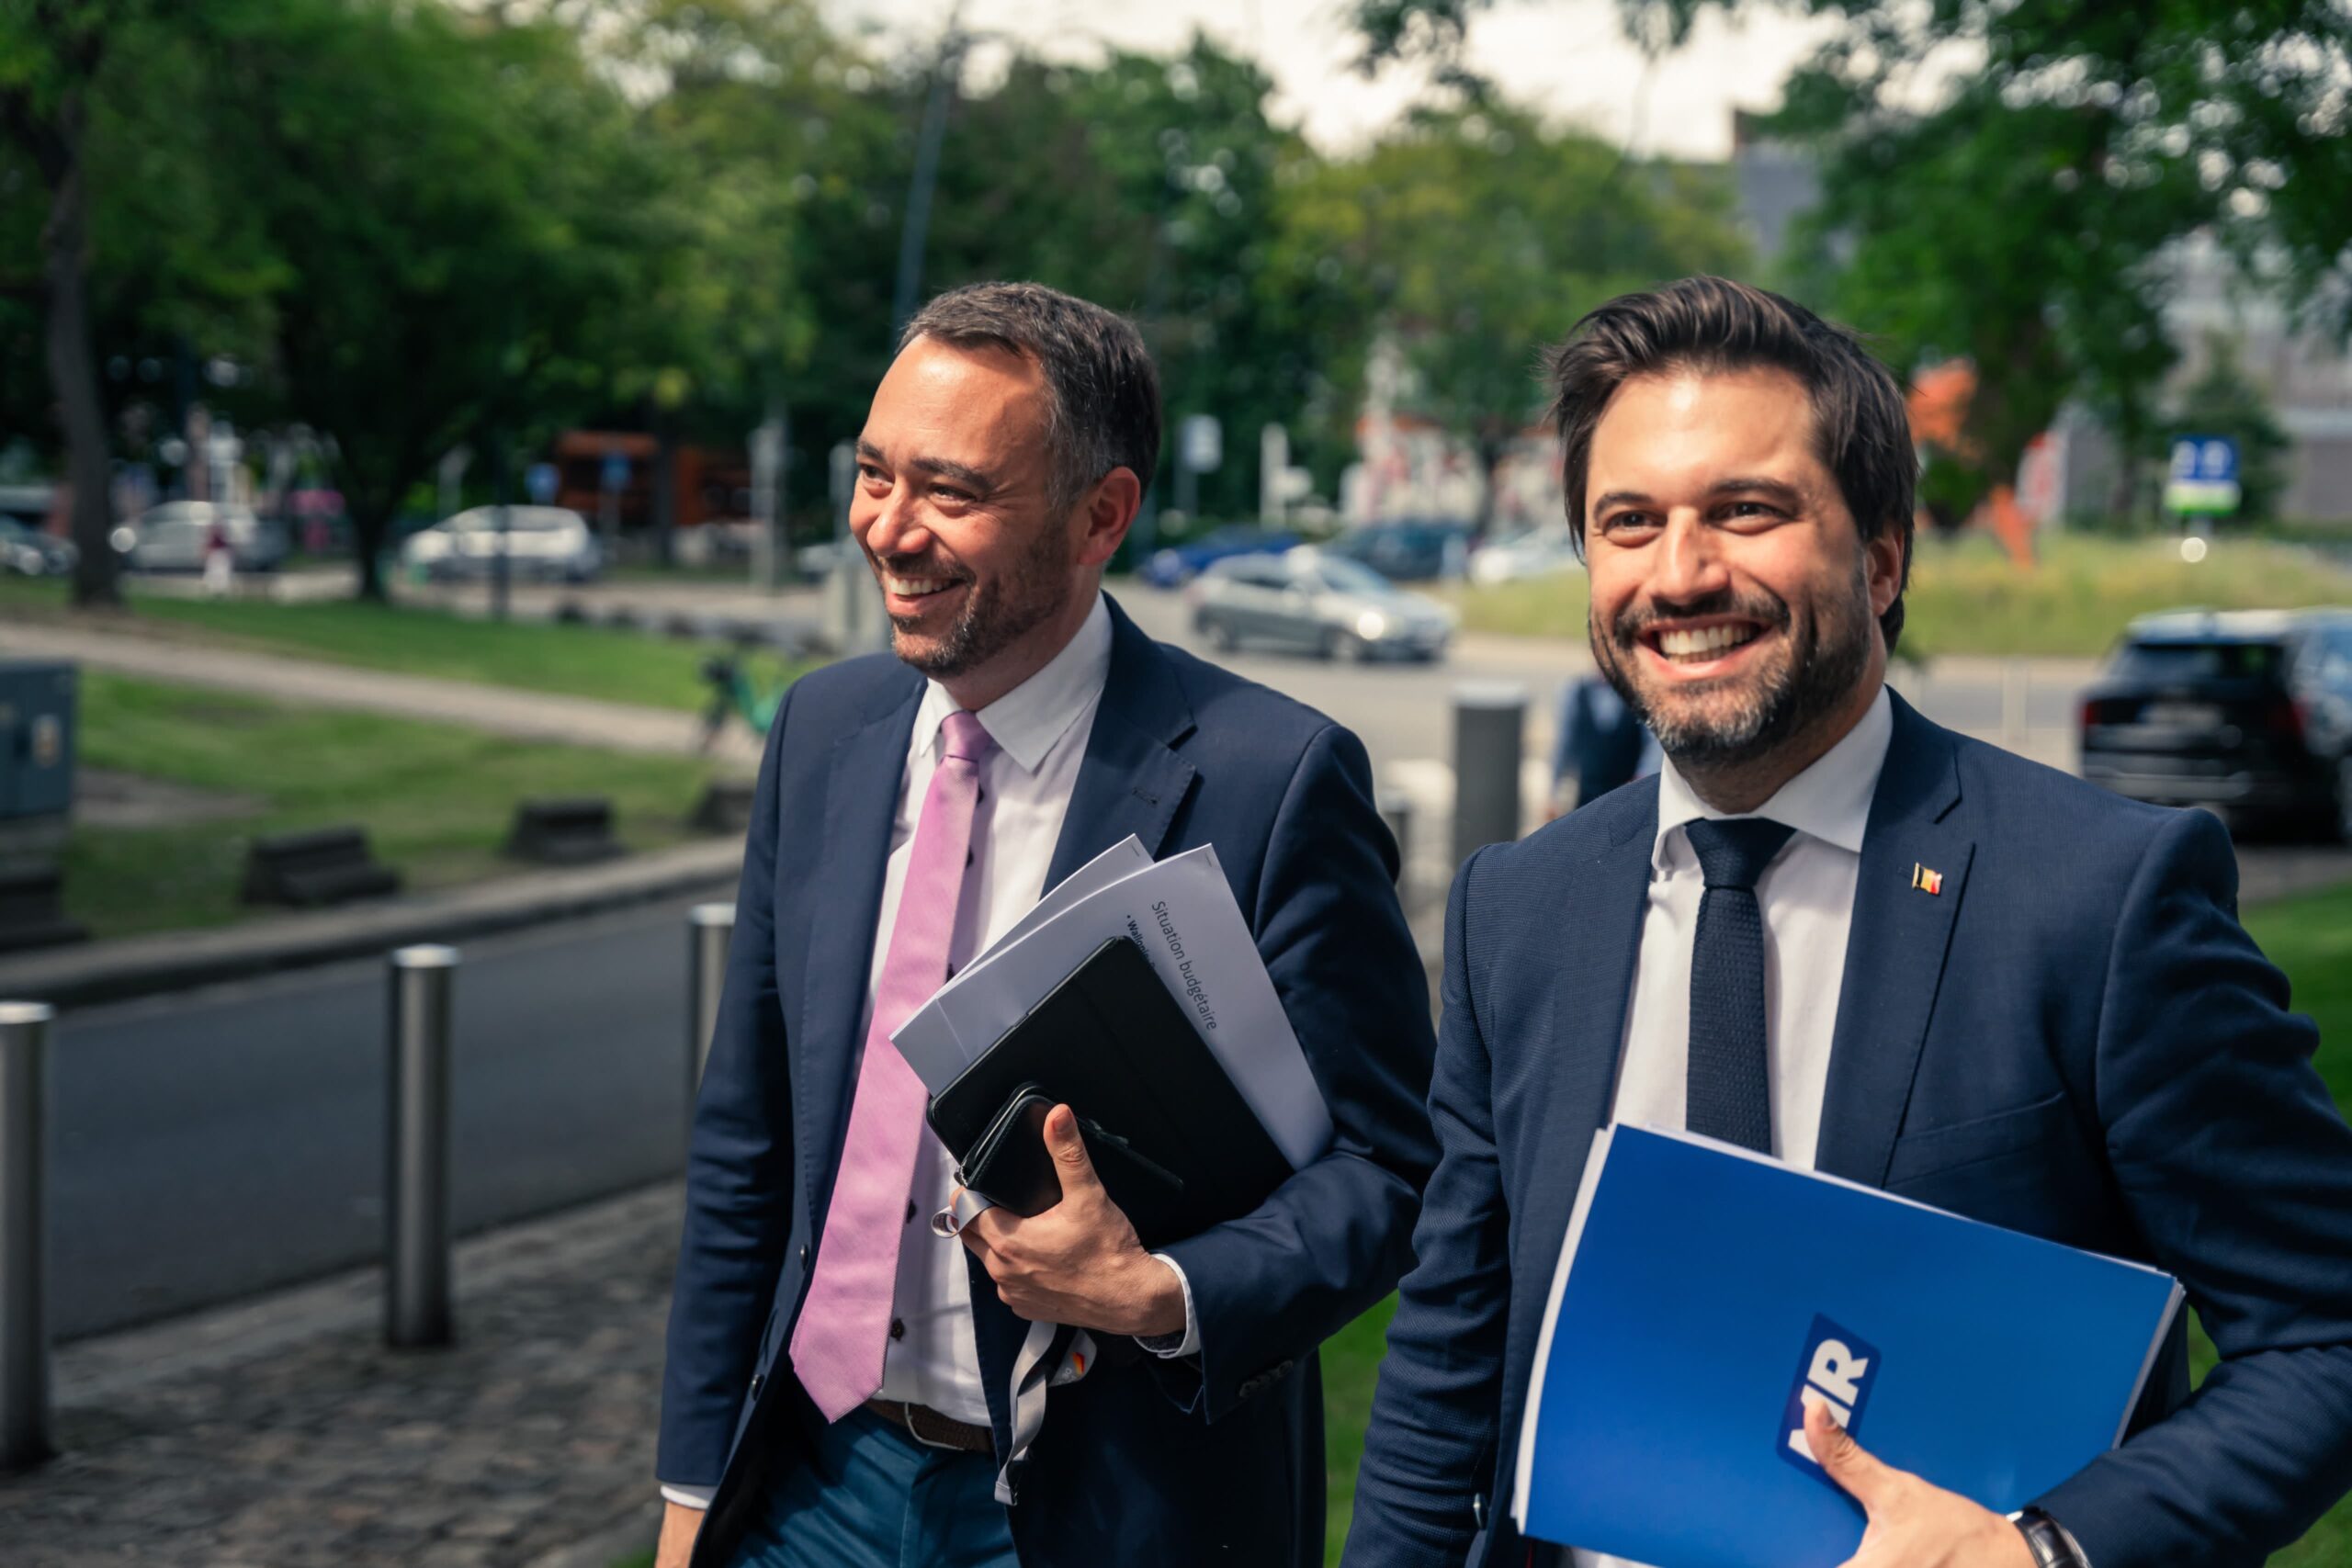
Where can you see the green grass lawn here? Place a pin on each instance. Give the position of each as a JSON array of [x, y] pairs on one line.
[[436, 800], [1967, 597], [575, 661]]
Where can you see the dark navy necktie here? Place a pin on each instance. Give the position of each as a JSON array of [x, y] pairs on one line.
[[1729, 1086]]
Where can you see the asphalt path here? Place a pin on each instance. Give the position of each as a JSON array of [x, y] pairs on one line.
[[221, 1142], [218, 1143]]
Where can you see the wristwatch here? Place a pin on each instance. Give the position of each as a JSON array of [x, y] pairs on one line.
[[2052, 1546]]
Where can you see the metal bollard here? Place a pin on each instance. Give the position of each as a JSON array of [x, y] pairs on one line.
[[1488, 720], [2016, 678], [416, 1145], [24, 1330], [709, 928], [1396, 810]]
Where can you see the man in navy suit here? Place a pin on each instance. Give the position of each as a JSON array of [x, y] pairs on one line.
[[1835, 932], [842, 1383]]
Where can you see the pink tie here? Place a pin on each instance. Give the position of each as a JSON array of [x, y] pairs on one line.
[[838, 1343]]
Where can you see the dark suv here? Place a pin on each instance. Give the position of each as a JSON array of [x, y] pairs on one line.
[[2249, 712]]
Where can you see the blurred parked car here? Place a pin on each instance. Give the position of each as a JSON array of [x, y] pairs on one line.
[[1407, 552], [175, 537], [1179, 564], [1537, 552], [1311, 599], [2246, 711], [549, 543], [28, 552]]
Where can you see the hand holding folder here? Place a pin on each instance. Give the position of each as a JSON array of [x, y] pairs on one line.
[[1176, 1146]]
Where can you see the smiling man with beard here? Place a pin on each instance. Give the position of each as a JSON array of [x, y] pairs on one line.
[[1834, 932], [839, 1393]]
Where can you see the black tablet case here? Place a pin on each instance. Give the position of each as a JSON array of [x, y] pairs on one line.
[[1176, 1147]]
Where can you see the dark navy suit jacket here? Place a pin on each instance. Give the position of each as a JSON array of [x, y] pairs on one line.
[[2073, 1039], [1217, 1457]]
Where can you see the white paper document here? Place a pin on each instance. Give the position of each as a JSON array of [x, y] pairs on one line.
[[1182, 914]]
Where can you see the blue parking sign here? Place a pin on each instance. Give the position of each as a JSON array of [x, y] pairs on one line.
[[2202, 478]]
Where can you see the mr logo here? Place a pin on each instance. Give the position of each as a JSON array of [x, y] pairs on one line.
[[1839, 1367]]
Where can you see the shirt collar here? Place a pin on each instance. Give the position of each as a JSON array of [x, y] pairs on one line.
[[1830, 801], [1027, 721]]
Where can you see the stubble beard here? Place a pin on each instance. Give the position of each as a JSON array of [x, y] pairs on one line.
[[996, 615], [1826, 656]]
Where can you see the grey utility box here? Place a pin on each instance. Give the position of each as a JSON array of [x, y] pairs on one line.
[[36, 739]]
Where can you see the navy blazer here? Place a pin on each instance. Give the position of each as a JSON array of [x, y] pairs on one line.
[[2075, 1038], [1217, 1458]]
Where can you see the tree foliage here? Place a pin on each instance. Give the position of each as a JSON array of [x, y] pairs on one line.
[[2008, 183], [1475, 237]]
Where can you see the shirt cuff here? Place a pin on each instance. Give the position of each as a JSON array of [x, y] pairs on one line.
[[688, 1497], [1169, 1346]]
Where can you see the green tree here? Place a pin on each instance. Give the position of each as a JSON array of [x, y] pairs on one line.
[[1153, 186], [467, 215], [2022, 217], [51, 55], [1476, 236]]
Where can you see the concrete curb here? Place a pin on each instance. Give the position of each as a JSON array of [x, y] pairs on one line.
[[171, 961]]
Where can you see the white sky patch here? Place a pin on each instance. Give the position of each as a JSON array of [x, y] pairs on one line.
[[1568, 59]]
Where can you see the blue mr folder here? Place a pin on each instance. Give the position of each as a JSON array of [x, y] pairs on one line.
[[1702, 1290]]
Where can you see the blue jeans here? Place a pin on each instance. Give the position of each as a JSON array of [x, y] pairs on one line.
[[872, 1497]]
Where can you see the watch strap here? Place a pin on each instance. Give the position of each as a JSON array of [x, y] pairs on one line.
[[2049, 1541]]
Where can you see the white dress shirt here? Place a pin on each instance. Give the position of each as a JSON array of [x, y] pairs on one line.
[[1040, 727], [1807, 899]]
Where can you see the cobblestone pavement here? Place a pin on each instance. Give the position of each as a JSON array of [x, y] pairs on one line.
[[283, 1434]]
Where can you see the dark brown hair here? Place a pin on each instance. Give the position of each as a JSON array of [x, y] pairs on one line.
[[1104, 412], [1862, 431]]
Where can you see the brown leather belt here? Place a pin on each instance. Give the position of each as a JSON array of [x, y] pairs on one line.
[[931, 1429]]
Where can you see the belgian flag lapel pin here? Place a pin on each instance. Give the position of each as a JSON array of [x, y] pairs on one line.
[[1926, 881]]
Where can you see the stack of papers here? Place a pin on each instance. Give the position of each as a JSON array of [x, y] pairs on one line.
[[1181, 912]]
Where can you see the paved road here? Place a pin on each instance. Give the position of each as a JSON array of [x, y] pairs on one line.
[[211, 1144], [214, 1144]]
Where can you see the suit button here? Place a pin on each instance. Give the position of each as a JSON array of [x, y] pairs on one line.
[[897, 1328], [804, 1252], [759, 1382]]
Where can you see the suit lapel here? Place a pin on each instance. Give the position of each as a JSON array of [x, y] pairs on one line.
[[1590, 951], [1132, 780], [861, 802], [1895, 953]]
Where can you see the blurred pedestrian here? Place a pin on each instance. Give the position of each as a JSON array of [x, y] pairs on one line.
[[220, 560], [840, 1389], [1834, 932], [1598, 744]]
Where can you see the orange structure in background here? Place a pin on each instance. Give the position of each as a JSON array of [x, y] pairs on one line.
[[707, 484], [1938, 405]]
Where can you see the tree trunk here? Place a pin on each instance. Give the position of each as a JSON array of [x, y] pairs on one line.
[[371, 522], [1491, 449], [73, 371], [664, 513]]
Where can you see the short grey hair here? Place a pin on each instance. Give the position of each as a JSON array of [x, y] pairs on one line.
[[1104, 410]]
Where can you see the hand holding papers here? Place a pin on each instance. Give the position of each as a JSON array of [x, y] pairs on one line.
[[1706, 1296], [1181, 914]]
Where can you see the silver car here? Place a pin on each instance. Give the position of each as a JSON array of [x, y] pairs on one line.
[[1321, 602], [547, 542], [177, 535]]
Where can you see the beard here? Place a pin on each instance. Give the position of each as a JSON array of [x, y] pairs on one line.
[[997, 613], [1739, 718]]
